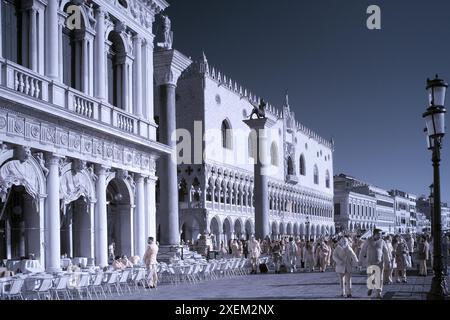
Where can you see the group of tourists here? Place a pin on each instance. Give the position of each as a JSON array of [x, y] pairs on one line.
[[384, 258], [149, 260]]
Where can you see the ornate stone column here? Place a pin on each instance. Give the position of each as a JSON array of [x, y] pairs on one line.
[[169, 64], [100, 56], [147, 84], [100, 220], [261, 188], [1, 41], [137, 96], [139, 220], [33, 52], [52, 216], [151, 206], [52, 48]]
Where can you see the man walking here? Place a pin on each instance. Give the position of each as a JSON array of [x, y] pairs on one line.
[[151, 263], [255, 252], [345, 258], [291, 254], [375, 252]]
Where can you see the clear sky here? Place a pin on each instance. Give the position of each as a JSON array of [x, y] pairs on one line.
[[365, 88]]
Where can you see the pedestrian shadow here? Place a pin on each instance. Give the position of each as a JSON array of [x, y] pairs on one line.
[[304, 284]]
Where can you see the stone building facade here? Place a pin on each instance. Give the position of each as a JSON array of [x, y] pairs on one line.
[[216, 192], [78, 145], [357, 205]]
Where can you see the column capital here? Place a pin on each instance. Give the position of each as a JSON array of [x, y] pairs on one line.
[[148, 41], [151, 179], [259, 124], [53, 158], [169, 64], [139, 178], [101, 169], [100, 12], [138, 39]]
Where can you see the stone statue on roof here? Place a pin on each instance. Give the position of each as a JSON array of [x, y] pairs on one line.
[[259, 111], [165, 34]]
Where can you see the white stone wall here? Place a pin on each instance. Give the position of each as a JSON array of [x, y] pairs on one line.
[[56, 126], [201, 96]]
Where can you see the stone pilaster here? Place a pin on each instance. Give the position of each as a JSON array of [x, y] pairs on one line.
[[100, 56], [52, 56]]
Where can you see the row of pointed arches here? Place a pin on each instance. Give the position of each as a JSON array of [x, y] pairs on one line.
[[226, 228]]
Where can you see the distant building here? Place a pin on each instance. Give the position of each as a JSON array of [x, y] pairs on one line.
[[423, 224], [216, 195], [402, 211], [360, 206], [423, 205]]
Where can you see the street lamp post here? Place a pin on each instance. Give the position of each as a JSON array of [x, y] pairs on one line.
[[431, 208], [435, 123]]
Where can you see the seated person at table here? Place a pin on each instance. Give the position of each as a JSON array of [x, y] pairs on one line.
[[117, 264], [73, 268], [127, 263], [135, 260]]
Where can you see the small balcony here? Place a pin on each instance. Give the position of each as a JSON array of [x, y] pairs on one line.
[[29, 84]]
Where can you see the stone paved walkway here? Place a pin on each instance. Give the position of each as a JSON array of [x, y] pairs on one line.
[[322, 286]]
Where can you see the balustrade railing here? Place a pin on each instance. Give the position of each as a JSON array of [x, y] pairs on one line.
[[125, 123], [29, 83], [83, 106]]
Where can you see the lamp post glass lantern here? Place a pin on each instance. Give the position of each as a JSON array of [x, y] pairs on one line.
[[435, 129]]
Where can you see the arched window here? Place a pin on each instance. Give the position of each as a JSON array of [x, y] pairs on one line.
[[227, 137], [274, 154], [316, 175], [327, 179], [252, 144], [182, 191], [11, 30], [290, 166], [302, 165], [116, 69]]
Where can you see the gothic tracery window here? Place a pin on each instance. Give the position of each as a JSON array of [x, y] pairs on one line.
[[316, 175], [302, 165], [327, 179], [227, 140], [274, 154], [290, 166]]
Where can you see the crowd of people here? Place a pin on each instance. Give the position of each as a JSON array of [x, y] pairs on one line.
[[386, 256]]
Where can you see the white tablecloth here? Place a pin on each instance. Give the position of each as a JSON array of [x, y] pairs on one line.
[[13, 265], [65, 262], [31, 266]]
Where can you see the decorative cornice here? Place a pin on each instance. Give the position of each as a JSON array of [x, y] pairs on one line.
[[22, 129], [169, 64], [140, 12]]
